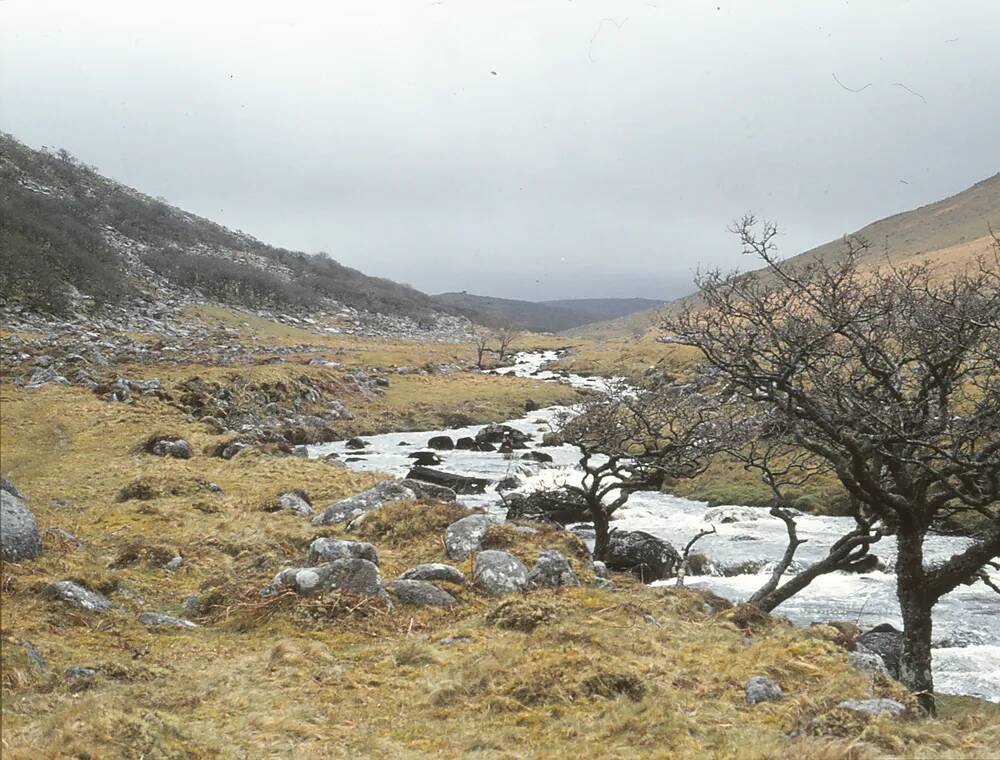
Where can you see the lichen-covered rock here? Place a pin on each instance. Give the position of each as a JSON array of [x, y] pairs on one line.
[[465, 536], [873, 707], [887, 642], [19, 537], [762, 689], [169, 446], [498, 572], [76, 595], [154, 619], [294, 502], [330, 549], [434, 571], [420, 593], [386, 491], [552, 570], [356, 576], [347, 509], [649, 557], [869, 662], [8, 485]]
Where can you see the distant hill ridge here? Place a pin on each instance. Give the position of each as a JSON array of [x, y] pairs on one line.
[[949, 233], [546, 316]]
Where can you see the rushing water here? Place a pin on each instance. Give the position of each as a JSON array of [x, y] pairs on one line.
[[966, 621]]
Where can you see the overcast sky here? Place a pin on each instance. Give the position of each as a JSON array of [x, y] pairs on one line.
[[539, 149]]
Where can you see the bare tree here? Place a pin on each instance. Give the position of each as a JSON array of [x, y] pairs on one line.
[[889, 375], [506, 335], [482, 346], [632, 439], [758, 437]]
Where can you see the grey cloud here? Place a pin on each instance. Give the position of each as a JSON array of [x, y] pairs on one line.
[[602, 158]]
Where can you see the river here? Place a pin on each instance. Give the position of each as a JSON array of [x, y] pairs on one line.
[[966, 621]]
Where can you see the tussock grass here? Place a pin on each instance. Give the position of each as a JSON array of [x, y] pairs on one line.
[[635, 672]]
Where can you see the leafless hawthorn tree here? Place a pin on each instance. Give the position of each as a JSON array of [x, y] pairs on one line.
[[632, 439], [482, 347], [759, 438], [506, 335], [892, 376]]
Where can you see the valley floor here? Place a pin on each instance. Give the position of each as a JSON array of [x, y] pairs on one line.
[[626, 672]]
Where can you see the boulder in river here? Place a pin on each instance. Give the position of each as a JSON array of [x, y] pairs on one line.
[[457, 483], [498, 572], [441, 443], [19, 537], [355, 443], [465, 536], [537, 456], [465, 443], [497, 433], [424, 458], [560, 506], [648, 557], [420, 593]]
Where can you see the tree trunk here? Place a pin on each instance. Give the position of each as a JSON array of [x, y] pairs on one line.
[[916, 605], [602, 534]]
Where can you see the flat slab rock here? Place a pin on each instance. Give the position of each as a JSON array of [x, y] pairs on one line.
[[420, 594], [19, 537], [77, 596], [386, 491], [498, 572], [356, 576], [465, 536], [873, 707], [154, 619], [331, 549], [434, 571]]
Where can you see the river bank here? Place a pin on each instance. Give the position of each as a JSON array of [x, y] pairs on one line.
[[967, 621]]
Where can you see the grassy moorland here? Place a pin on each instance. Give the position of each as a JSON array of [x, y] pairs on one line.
[[629, 672]]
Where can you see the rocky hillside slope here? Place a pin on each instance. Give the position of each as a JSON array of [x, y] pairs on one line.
[[77, 243], [950, 233]]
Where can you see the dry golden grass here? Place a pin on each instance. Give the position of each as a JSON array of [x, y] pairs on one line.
[[551, 674]]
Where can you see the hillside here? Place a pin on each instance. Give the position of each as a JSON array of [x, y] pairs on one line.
[[545, 316], [73, 239], [949, 233]]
